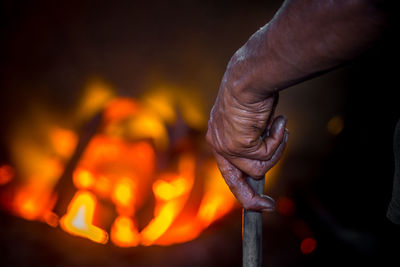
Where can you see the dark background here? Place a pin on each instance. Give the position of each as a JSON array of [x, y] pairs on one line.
[[341, 184]]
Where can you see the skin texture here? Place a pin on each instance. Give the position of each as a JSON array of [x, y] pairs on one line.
[[304, 39]]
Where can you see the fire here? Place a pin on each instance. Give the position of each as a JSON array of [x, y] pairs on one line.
[[63, 141], [83, 179], [161, 222], [123, 195], [79, 218], [169, 190], [124, 232], [171, 193], [6, 174], [142, 152]]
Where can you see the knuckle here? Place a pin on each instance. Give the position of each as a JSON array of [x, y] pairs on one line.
[[258, 173], [230, 148], [247, 142], [246, 205]]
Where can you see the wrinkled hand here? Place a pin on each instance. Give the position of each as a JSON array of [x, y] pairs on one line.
[[246, 140]]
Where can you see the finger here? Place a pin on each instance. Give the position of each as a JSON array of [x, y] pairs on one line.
[[241, 189], [265, 148], [278, 153], [272, 114], [258, 168]]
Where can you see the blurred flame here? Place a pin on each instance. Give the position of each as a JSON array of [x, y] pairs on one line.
[[169, 190], [63, 141], [102, 187], [6, 174], [96, 95], [162, 104], [218, 199], [34, 201], [83, 178], [148, 125], [169, 203], [119, 165], [120, 108], [161, 222], [123, 195], [79, 217], [124, 232], [166, 100], [216, 202]]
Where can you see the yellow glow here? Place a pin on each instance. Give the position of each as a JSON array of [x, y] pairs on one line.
[[124, 232], [212, 208], [162, 103], [218, 199], [78, 219], [83, 178], [169, 203], [122, 194], [160, 223], [96, 95], [118, 165], [167, 191], [148, 125], [216, 202], [165, 100], [193, 111]]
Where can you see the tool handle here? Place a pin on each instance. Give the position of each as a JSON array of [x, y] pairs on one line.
[[252, 229]]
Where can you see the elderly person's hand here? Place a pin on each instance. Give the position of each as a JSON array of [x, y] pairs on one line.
[[246, 138], [304, 39]]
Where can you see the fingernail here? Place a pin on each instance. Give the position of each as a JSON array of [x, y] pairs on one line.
[[268, 205], [286, 135]]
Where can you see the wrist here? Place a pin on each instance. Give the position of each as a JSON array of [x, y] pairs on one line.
[[250, 74]]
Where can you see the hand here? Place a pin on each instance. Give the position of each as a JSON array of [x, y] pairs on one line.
[[246, 140]]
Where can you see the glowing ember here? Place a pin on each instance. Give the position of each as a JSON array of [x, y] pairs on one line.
[[34, 201], [161, 222], [6, 174], [119, 165], [63, 141], [83, 179], [124, 232], [169, 190], [123, 195], [79, 217]]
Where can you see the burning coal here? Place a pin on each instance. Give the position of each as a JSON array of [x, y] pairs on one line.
[[141, 177]]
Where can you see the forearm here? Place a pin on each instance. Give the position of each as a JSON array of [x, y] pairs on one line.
[[305, 38]]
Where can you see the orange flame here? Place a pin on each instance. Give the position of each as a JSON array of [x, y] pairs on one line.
[[123, 196], [124, 232], [83, 179], [78, 219], [6, 174], [171, 197], [118, 165], [63, 141]]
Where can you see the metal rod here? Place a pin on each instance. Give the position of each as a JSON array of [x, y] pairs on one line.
[[252, 230]]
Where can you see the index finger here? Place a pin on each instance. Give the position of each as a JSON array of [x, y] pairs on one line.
[[237, 183]]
